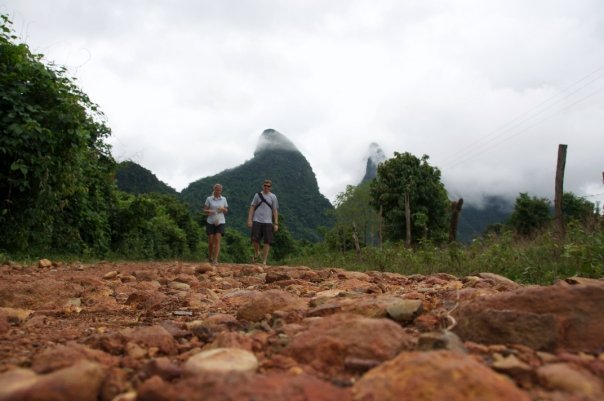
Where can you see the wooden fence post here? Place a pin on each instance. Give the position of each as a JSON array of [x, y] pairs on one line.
[[559, 217], [455, 210]]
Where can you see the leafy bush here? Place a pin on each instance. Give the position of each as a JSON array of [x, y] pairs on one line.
[[542, 259], [55, 168], [153, 226], [235, 247]]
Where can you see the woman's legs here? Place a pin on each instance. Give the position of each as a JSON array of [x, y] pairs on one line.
[[211, 247], [216, 247]]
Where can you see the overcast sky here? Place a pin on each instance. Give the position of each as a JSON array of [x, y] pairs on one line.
[[487, 88]]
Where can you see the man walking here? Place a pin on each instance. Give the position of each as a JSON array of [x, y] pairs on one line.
[[263, 219]]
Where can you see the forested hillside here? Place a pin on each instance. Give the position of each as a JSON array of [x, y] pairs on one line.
[[135, 179]]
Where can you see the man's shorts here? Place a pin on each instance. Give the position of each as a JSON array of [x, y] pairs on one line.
[[211, 229], [262, 231]]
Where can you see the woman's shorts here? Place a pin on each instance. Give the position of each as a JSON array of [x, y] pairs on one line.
[[211, 229]]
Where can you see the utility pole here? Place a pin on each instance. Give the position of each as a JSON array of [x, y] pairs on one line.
[[559, 191]]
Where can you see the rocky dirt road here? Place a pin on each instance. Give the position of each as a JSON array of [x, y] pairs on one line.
[[183, 331]]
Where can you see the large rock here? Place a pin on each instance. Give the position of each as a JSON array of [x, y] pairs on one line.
[[341, 341], [544, 318], [62, 356], [265, 303], [435, 375], [81, 382], [153, 336], [242, 387]]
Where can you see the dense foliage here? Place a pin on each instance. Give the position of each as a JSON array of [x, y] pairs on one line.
[[355, 218], [530, 214], [577, 209], [527, 253], [406, 175], [135, 179], [543, 259], [154, 226], [57, 187], [55, 169]]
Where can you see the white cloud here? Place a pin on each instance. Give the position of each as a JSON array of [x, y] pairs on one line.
[[487, 89]]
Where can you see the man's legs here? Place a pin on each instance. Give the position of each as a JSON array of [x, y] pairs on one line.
[[265, 250], [256, 245]]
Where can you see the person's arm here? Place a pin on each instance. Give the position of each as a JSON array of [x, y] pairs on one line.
[[275, 219], [206, 208], [250, 214]]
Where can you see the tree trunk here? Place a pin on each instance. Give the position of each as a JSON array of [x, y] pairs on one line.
[[380, 227], [455, 210], [407, 221], [355, 238]]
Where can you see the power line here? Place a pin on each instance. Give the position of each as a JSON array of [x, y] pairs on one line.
[[591, 196], [483, 143], [515, 134]]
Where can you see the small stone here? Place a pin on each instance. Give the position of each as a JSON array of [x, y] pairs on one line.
[[404, 310], [15, 315], [441, 341], [135, 351], [44, 263], [129, 396], [221, 360], [110, 275], [73, 305], [205, 268], [571, 379], [177, 285]]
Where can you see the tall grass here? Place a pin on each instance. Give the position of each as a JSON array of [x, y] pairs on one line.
[[541, 260]]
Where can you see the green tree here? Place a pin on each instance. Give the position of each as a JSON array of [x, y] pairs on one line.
[[530, 215], [575, 208], [407, 175], [55, 168], [284, 244], [235, 247], [354, 215], [150, 226]]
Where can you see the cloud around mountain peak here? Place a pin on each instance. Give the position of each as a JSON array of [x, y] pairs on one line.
[[274, 140]]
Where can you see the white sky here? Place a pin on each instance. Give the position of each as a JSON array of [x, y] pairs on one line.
[[487, 88]]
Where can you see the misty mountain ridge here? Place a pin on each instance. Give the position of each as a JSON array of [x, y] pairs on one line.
[[303, 208], [271, 139], [376, 156]]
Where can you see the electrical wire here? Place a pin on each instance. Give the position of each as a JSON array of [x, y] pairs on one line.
[[515, 134], [511, 126]]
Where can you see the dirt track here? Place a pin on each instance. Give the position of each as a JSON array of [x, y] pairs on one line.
[[145, 331]]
